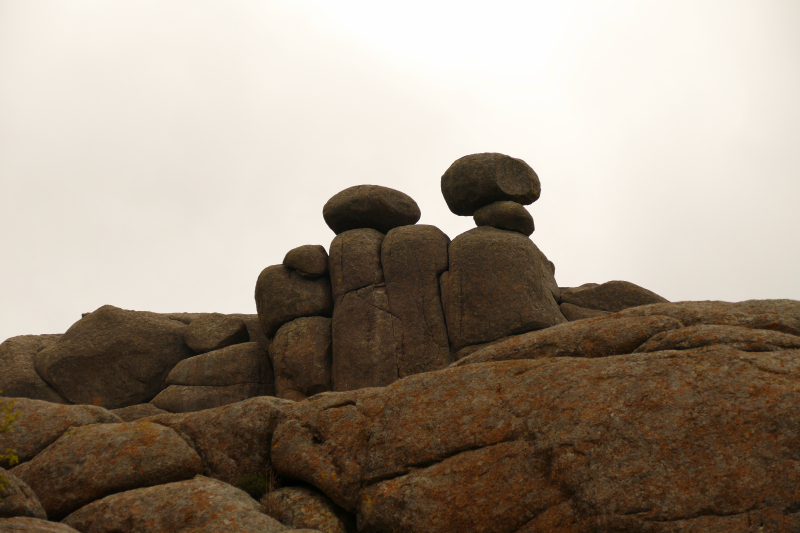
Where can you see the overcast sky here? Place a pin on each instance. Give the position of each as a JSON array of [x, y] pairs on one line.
[[158, 155]]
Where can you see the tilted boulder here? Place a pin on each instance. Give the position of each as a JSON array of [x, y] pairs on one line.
[[18, 499], [498, 284], [474, 181], [611, 296], [283, 295], [413, 257], [301, 358], [33, 525], [355, 261], [38, 424], [113, 358], [233, 365], [191, 398], [215, 331], [199, 505], [641, 442], [90, 462], [369, 206], [310, 260], [505, 215], [304, 508], [19, 378], [232, 441]]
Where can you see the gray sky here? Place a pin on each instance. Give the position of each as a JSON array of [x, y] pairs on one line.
[[158, 155]]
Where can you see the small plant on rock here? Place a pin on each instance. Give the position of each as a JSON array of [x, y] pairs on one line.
[[7, 417]]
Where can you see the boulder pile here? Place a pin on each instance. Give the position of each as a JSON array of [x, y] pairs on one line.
[[401, 382]]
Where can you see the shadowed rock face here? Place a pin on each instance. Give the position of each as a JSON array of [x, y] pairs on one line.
[[33, 525], [370, 206], [355, 261], [303, 508], [18, 499], [240, 363], [301, 357], [310, 260], [214, 332], [19, 378], [283, 295], [644, 441]]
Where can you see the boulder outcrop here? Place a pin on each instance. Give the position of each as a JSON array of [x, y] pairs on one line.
[[237, 364], [19, 378], [370, 206], [310, 260], [301, 358], [355, 261], [303, 508], [190, 398], [33, 525], [283, 295], [611, 296], [18, 499], [215, 331]]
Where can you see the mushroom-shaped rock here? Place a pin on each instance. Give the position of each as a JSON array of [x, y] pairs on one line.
[[370, 206], [215, 331], [480, 179], [505, 215], [310, 261], [283, 295]]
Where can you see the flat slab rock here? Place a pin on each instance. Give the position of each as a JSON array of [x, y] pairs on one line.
[[199, 505], [694, 440]]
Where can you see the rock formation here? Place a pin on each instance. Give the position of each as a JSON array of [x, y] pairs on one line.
[[401, 382]]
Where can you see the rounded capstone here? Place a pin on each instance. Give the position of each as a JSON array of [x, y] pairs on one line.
[[479, 179], [505, 215], [370, 206], [310, 260]]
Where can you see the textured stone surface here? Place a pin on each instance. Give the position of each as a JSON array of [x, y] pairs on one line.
[[233, 440], [200, 505], [369, 206], [240, 363], [595, 337], [480, 179], [188, 398], [283, 295], [499, 284], [137, 412], [90, 462], [355, 261], [39, 424], [612, 296], [747, 340], [301, 357], [574, 312], [413, 257], [113, 358], [505, 215], [18, 499], [645, 442], [32, 525], [310, 261], [364, 353], [19, 378], [215, 331], [303, 508]]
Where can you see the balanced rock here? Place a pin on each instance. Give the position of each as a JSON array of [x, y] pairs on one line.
[[283, 295], [369, 206], [113, 358], [310, 261], [90, 462], [38, 424], [505, 215], [199, 505], [611, 296], [17, 498], [480, 179], [32, 525], [355, 261], [191, 398], [413, 258], [240, 363], [304, 508], [19, 378], [499, 284], [215, 331], [301, 358]]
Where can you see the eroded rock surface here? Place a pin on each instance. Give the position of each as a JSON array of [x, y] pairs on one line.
[[355, 261], [574, 312], [215, 331], [137, 412], [370, 206], [19, 378], [283, 295], [32, 525], [18, 499], [301, 357], [190, 398], [303, 508]]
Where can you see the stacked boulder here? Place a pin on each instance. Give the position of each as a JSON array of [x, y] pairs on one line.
[[591, 300]]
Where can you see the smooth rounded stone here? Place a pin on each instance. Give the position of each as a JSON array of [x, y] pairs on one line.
[[133, 413], [18, 499], [369, 206], [283, 295], [39, 424], [254, 329], [19, 378], [189, 398], [505, 215], [499, 284], [301, 358], [199, 505], [310, 261], [740, 338], [91, 462], [233, 440], [240, 363], [364, 351], [214, 332], [570, 442], [574, 312], [355, 261], [612, 296], [113, 358], [32, 525], [480, 179], [306, 509], [413, 257]]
